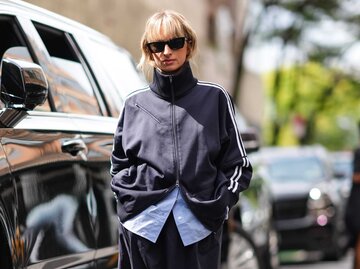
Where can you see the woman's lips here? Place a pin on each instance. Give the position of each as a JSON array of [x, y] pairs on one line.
[[168, 62]]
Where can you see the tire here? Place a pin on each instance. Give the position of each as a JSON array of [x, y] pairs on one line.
[[335, 252], [242, 252], [5, 260], [271, 253]]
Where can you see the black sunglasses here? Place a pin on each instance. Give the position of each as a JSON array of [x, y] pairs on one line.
[[159, 46]]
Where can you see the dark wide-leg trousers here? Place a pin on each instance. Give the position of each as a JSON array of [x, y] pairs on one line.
[[136, 252]]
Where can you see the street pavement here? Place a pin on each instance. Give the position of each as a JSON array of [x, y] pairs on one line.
[[344, 263]]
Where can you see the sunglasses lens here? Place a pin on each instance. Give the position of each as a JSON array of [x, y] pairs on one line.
[[176, 43], [156, 47]]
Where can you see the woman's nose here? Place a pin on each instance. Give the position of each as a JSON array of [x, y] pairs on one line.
[[167, 49]]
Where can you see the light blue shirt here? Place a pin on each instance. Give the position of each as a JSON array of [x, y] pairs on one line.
[[149, 223]]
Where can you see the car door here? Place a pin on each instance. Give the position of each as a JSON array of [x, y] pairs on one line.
[[115, 71], [6, 208], [51, 190], [85, 106], [49, 225], [98, 137]]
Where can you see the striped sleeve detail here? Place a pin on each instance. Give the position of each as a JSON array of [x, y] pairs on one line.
[[231, 109], [234, 179]]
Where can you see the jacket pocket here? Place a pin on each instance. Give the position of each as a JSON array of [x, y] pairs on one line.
[[211, 213], [147, 112]]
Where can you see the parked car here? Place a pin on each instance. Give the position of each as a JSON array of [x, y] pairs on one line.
[[62, 89], [308, 208], [252, 215]]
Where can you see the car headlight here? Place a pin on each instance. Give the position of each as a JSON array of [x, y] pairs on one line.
[[320, 206]]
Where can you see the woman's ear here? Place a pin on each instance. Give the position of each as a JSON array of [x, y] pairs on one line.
[[188, 49]]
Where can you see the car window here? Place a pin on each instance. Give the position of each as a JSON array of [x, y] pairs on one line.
[[119, 69], [13, 45], [294, 169], [9, 32], [74, 89]]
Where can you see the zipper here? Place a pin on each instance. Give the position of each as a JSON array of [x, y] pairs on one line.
[[174, 131], [147, 112]]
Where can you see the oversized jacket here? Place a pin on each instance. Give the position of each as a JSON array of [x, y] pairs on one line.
[[179, 132]]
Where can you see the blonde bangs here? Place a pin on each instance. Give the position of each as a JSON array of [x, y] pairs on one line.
[[164, 26]]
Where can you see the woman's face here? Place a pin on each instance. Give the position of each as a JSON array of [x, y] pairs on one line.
[[170, 60]]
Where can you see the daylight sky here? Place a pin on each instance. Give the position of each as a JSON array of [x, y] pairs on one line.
[[265, 56]]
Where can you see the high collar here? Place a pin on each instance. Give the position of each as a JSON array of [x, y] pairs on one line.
[[179, 83]]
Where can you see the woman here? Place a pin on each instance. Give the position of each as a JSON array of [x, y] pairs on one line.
[[352, 210], [178, 162]]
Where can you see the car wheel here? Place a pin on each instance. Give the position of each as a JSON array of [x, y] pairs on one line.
[[333, 255], [335, 252], [271, 256], [5, 261], [242, 252]]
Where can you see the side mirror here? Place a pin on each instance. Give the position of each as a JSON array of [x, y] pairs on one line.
[[23, 87], [340, 175], [23, 84], [250, 140]]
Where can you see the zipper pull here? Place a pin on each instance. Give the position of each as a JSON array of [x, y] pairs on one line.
[[172, 88]]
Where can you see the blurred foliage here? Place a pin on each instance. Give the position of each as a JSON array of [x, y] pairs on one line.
[[313, 104], [316, 99]]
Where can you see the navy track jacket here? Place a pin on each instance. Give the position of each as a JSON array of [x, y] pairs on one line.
[[179, 132]]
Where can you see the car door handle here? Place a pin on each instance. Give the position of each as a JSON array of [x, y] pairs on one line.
[[74, 147]]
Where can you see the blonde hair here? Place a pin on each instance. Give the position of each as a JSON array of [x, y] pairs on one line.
[[166, 22]]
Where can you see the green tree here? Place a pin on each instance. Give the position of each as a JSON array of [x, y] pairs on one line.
[[295, 33], [324, 118]]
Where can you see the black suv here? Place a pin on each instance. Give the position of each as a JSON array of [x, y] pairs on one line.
[[308, 202], [62, 89]]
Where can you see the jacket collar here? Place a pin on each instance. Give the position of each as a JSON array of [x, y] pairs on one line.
[[180, 82]]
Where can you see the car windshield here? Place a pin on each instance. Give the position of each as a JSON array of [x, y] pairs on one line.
[[296, 168], [343, 166]]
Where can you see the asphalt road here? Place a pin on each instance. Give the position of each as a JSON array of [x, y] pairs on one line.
[[312, 263]]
